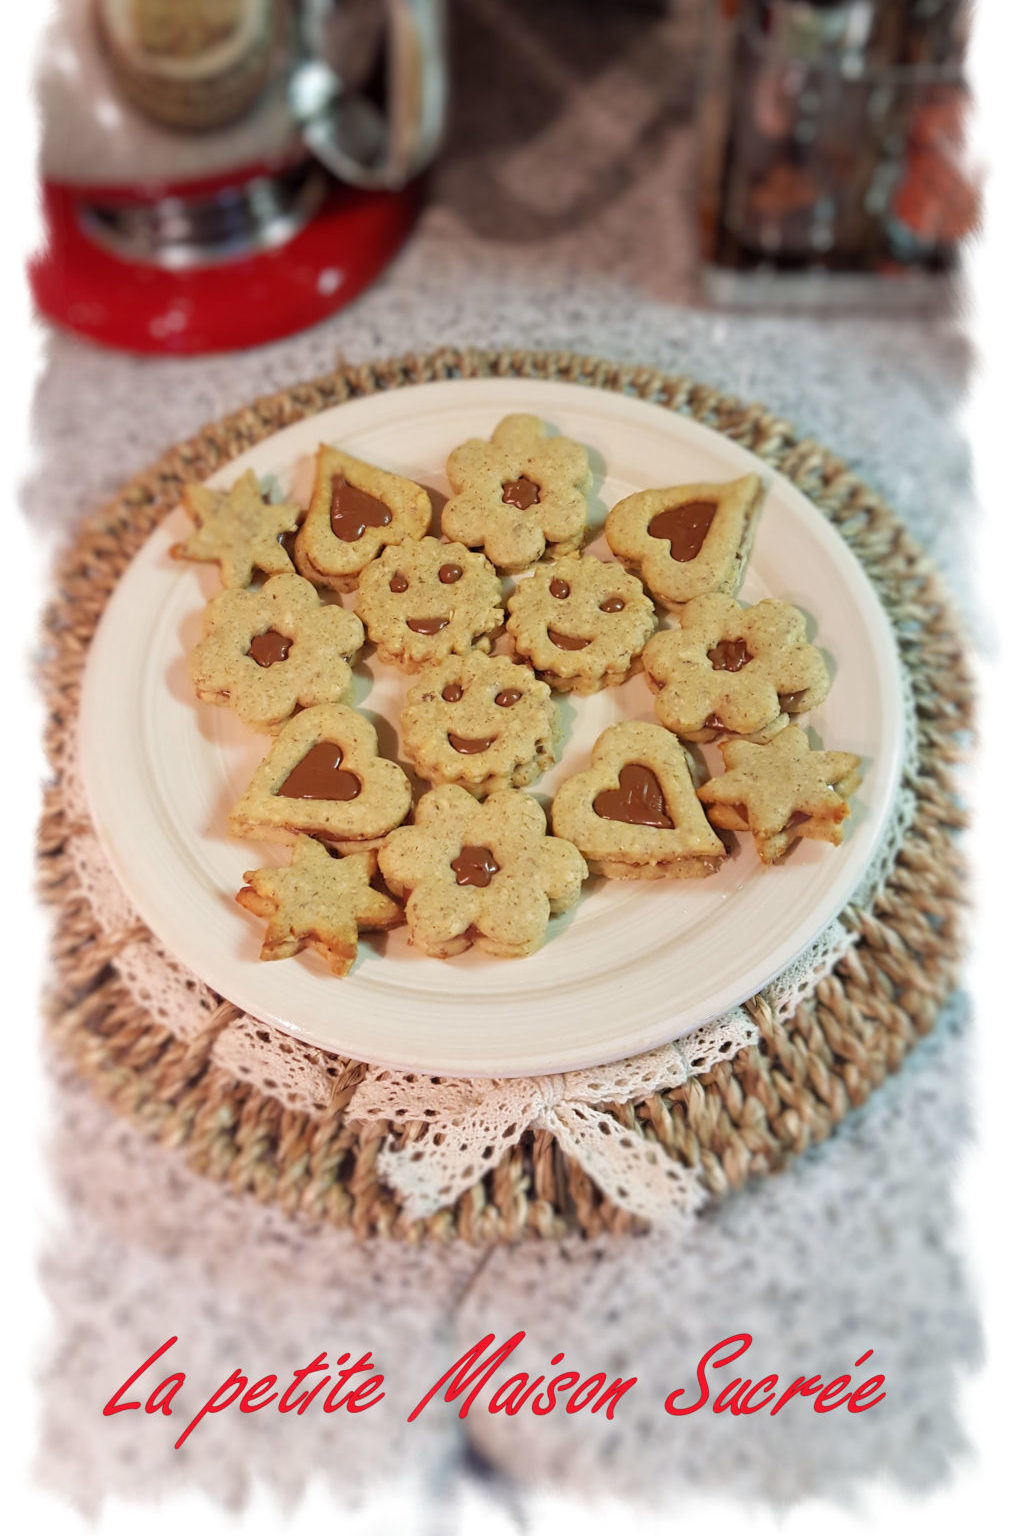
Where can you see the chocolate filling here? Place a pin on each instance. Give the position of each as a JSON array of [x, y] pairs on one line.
[[320, 776], [469, 745], [638, 800], [567, 642], [475, 866], [426, 626], [729, 656], [685, 527], [521, 493], [269, 647], [353, 511]]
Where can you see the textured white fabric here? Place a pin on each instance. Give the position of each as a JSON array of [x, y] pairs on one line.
[[297, 1075], [469, 1124]]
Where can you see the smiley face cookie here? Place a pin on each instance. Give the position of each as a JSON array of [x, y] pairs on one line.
[[735, 669], [782, 791], [634, 813], [483, 722], [480, 873], [519, 496], [422, 600], [239, 530], [265, 652], [323, 776], [356, 511], [581, 623], [686, 540], [320, 902]]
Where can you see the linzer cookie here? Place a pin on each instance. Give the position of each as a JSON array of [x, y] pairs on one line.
[[687, 540], [356, 511], [483, 722], [422, 600], [732, 669], [323, 776], [634, 814], [265, 652], [319, 902], [519, 496], [782, 791], [480, 873], [581, 623], [239, 530]]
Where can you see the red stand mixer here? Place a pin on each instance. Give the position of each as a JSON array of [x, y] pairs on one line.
[[220, 173]]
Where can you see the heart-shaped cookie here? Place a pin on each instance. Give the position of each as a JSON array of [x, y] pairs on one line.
[[356, 511], [686, 540], [323, 776], [634, 813]]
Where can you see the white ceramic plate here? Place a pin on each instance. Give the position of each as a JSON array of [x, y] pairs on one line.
[[635, 963]]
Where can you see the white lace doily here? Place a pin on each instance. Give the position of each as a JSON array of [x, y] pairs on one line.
[[463, 1127]]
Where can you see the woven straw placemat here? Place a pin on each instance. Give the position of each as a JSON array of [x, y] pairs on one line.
[[743, 1118]]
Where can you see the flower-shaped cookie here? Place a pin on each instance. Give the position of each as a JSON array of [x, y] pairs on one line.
[[356, 511], [581, 622], [634, 813], [782, 791], [484, 874], [238, 529], [323, 776], [480, 721], [518, 495], [734, 669], [319, 901], [423, 600], [686, 540], [264, 652]]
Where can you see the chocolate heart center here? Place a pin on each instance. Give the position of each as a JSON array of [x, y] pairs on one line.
[[320, 776], [685, 527], [353, 511], [269, 647], [638, 800]]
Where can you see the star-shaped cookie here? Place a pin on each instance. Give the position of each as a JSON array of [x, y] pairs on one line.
[[239, 530], [317, 901], [782, 791]]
